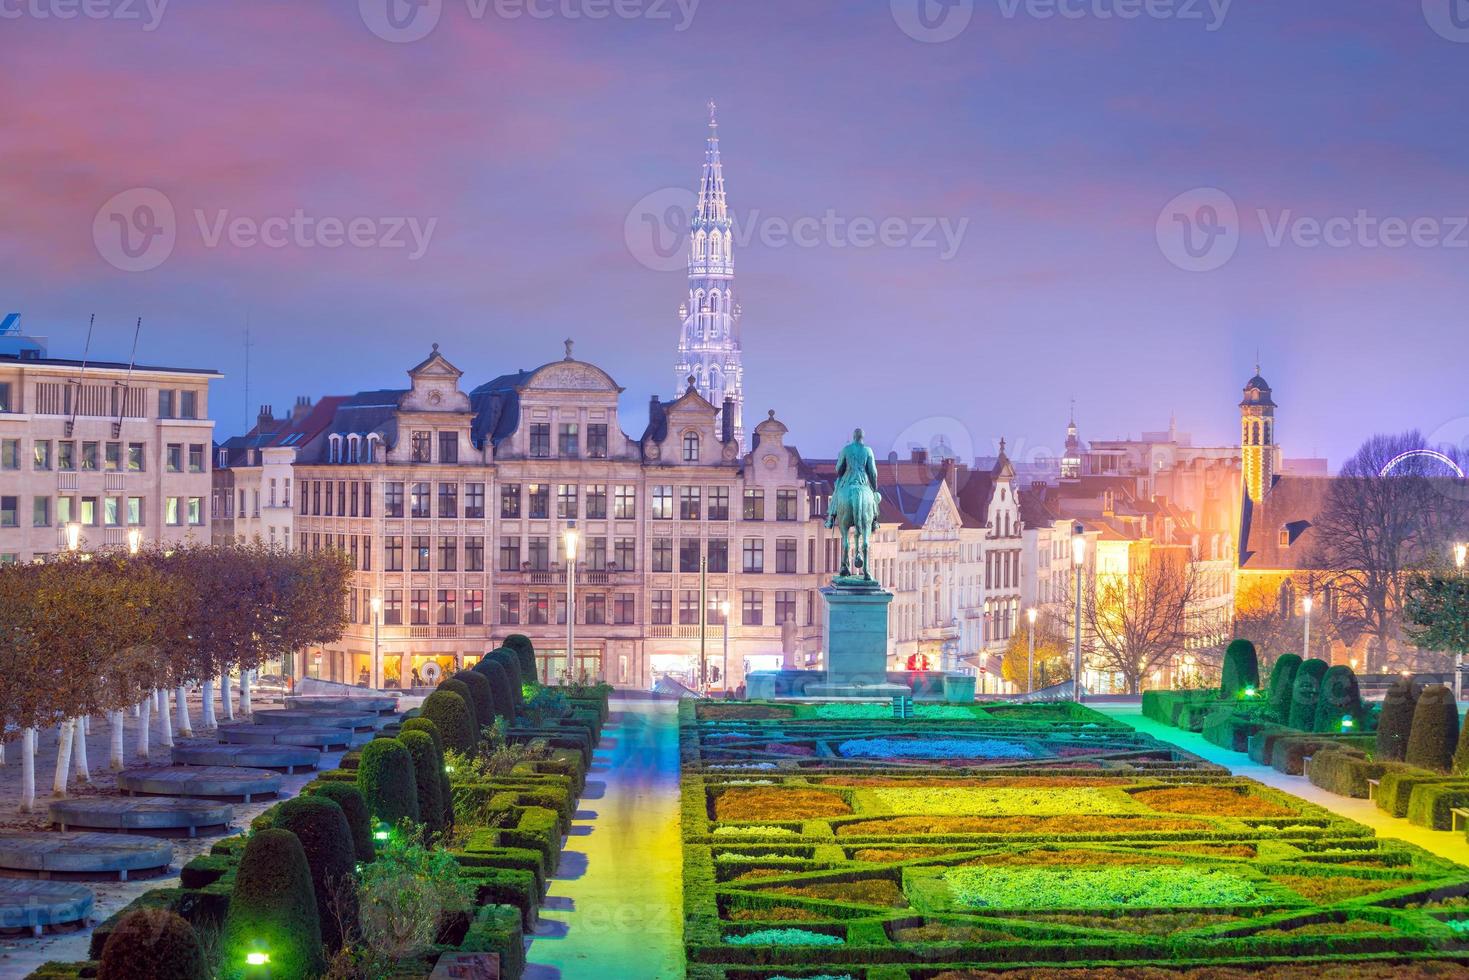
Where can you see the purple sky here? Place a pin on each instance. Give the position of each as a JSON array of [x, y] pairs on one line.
[[1055, 143]]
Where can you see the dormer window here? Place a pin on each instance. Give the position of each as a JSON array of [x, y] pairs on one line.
[[354, 449], [334, 449], [1285, 537], [691, 447]]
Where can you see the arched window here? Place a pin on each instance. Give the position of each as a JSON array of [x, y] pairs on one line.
[[1287, 599], [354, 448], [334, 449], [714, 302], [691, 447], [373, 440]]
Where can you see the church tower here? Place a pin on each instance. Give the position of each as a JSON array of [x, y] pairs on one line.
[[709, 336], [1257, 438], [1071, 461]]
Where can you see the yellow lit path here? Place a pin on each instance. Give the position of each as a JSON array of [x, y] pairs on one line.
[[615, 907], [1444, 843]]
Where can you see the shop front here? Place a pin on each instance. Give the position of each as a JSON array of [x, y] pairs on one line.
[[584, 668]]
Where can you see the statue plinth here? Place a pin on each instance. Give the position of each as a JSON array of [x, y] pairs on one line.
[[856, 640]]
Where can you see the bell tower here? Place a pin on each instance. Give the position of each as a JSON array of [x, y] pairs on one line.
[[1258, 450]]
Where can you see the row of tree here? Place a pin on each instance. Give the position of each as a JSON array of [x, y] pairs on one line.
[[107, 633]]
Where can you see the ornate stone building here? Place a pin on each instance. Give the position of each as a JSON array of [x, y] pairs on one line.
[[709, 348], [455, 506]]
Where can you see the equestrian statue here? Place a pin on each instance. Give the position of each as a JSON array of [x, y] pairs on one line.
[[854, 506]]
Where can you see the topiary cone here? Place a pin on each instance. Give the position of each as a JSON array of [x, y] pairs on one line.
[[481, 694], [1282, 683], [428, 773], [325, 836], [152, 944], [1241, 670], [511, 664], [1340, 698], [359, 821], [525, 651], [499, 684], [385, 777], [1396, 721], [453, 685], [272, 910], [451, 715], [1305, 692], [1435, 731]]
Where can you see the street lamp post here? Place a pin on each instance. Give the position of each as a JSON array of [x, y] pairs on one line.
[[1461, 553], [570, 537], [1030, 653], [377, 657], [1078, 558], [1306, 606], [724, 612], [135, 541], [703, 625]]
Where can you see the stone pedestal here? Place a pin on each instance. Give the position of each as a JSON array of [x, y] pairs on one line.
[[856, 634]]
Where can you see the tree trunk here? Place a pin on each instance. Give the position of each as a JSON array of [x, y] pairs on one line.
[[224, 696], [28, 770], [186, 727], [137, 710], [64, 735], [144, 710], [165, 720], [245, 692], [115, 761], [206, 718], [83, 727]]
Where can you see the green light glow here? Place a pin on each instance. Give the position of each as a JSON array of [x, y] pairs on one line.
[[257, 959]]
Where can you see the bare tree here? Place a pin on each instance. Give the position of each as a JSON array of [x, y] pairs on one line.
[[1374, 529], [1137, 621]]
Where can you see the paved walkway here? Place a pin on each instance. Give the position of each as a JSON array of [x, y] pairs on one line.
[[1444, 843], [615, 908]]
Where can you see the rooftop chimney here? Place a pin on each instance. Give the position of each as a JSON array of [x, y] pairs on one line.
[[302, 407], [266, 416], [919, 455]]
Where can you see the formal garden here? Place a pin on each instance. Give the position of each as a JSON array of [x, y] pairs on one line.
[[833, 841], [429, 847]]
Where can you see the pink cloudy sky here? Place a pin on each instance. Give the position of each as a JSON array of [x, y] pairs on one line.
[[526, 142]]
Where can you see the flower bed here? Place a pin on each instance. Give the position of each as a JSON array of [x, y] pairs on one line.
[[914, 855]]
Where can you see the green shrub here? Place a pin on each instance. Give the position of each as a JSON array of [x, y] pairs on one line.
[[1429, 805], [326, 837], [1395, 788], [525, 652], [428, 772], [387, 781], [1343, 770], [1396, 721], [481, 692], [1340, 699], [499, 683], [152, 944], [1305, 692], [273, 909], [451, 715], [511, 663], [406, 896], [424, 725], [1435, 731], [454, 685], [354, 808], [1241, 670], [1282, 683]]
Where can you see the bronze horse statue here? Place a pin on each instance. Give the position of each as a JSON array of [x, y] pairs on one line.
[[854, 505]]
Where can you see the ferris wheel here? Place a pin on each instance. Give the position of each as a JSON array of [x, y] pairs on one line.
[[1432, 454]]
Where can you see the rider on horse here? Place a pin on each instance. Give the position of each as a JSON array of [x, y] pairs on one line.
[[856, 467]]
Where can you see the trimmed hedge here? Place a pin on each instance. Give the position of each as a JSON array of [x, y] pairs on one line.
[[386, 779], [273, 908], [451, 715], [1282, 683], [1344, 770], [511, 663], [152, 944], [326, 839], [446, 792], [1241, 670], [1340, 698], [428, 774], [1435, 732], [1395, 723], [525, 651], [1429, 804], [1397, 785], [359, 820], [1177, 708], [1305, 692], [424, 725], [454, 685], [498, 683]]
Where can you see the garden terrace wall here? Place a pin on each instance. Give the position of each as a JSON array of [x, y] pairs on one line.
[[806, 854]]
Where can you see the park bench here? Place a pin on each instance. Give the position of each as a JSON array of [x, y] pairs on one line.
[[1372, 785], [1460, 816]]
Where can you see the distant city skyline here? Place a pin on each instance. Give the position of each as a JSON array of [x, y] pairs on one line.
[[1038, 208]]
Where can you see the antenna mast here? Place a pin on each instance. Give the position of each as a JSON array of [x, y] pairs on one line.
[[76, 402], [127, 384]]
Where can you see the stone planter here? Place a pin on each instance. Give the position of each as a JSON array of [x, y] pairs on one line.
[[959, 688]]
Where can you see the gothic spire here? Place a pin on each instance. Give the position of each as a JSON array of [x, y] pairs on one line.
[[712, 204]]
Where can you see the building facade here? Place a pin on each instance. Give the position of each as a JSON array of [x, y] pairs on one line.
[[112, 451], [254, 475], [455, 506]]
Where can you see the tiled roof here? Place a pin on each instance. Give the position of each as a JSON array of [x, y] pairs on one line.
[[1292, 505]]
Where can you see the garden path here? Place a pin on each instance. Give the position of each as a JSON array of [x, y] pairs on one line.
[[615, 907], [1447, 844]]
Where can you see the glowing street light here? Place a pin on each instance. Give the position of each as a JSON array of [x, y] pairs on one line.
[[1078, 558], [377, 658], [135, 540], [73, 536], [257, 959], [724, 612], [1306, 605]]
